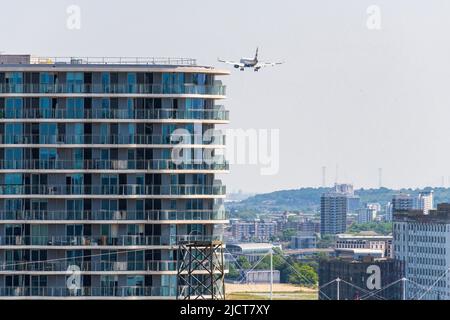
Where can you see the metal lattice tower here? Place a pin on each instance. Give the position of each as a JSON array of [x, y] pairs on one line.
[[201, 272]]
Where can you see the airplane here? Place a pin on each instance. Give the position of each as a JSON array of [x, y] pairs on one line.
[[250, 63]]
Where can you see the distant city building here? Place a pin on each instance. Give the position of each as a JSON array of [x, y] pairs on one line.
[[425, 201], [308, 225], [334, 209], [422, 242], [252, 251], [304, 240], [373, 242], [253, 230], [403, 201], [367, 214], [344, 188], [353, 203], [388, 209], [259, 276], [361, 278]]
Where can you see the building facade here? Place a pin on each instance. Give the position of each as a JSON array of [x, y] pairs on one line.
[[422, 242], [403, 201], [304, 240], [350, 241], [256, 230], [334, 209], [363, 279], [105, 166], [425, 201]]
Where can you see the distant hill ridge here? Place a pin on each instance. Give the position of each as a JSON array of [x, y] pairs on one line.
[[308, 199]]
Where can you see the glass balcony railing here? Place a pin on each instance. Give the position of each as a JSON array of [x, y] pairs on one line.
[[43, 88], [98, 266], [51, 266], [218, 163], [126, 189], [129, 291], [125, 240], [140, 114], [171, 139], [106, 215]]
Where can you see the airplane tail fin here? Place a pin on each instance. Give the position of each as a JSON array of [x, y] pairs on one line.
[[256, 54]]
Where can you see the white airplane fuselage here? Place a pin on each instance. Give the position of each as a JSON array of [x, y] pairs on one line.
[[247, 62]]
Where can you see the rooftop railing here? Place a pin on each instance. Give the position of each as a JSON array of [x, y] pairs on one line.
[[115, 60]]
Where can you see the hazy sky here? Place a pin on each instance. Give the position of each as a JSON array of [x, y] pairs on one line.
[[347, 95]]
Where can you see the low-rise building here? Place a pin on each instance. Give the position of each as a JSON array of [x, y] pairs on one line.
[[374, 242], [304, 240], [252, 251], [422, 242], [259, 276], [365, 278], [255, 230]]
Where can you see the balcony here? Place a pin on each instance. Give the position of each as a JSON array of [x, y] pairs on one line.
[[126, 89], [100, 266], [62, 266], [141, 139], [139, 114], [96, 241], [218, 163], [112, 190], [104, 215], [128, 291]]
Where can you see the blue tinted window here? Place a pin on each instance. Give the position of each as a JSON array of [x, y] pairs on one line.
[[47, 133], [47, 154], [199, 78], [131, 80], [75, 81], [75, 108], [13, 178], [15, 81], [45, 107], [13, 133], [14, 107], [173, 82]]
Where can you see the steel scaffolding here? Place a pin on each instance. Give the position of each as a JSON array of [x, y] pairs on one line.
[[201, 271]]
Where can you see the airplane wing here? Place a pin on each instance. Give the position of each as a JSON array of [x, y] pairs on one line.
[[236, 64], [267, 64]]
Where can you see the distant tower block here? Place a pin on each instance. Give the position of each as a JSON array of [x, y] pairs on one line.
[[324, 176], [337, 173], [380, 177]]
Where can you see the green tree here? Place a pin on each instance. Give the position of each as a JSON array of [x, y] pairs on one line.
[[326, 241], [243, 262], [233, 272], [383, 228], [287, 234], [304, 275]]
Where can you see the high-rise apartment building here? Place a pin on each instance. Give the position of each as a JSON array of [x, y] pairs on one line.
[[403, 201], [105, 166], [334, 209], [422, 242], [425, 201]]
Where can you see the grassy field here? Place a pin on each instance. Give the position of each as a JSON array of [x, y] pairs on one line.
[[281, 291]]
